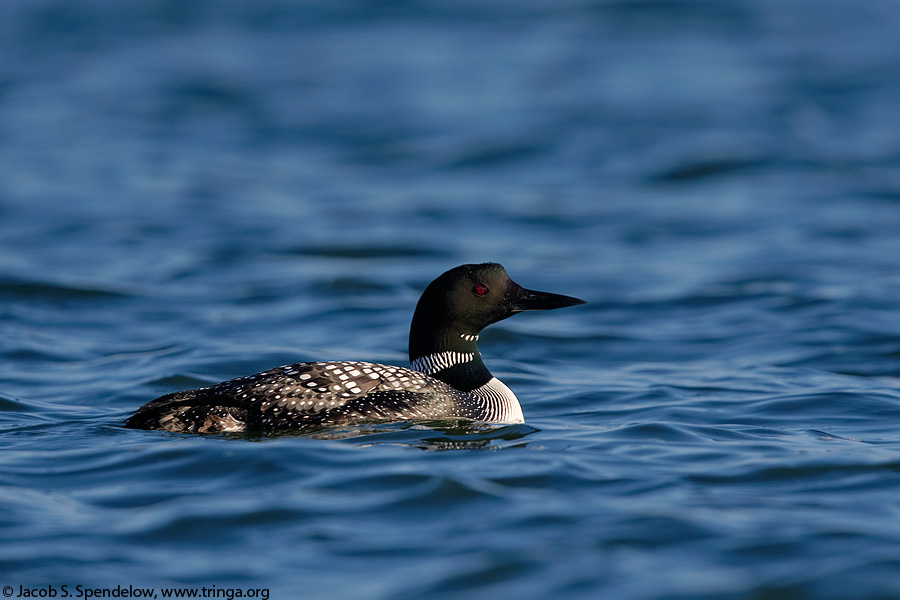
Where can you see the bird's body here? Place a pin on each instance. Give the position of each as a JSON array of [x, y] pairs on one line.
[[322, 394], [448, 378]]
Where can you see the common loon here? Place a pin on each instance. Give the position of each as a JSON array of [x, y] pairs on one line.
[[448, 378]]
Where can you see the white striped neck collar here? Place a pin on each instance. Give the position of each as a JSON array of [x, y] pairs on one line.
[[440, 361]]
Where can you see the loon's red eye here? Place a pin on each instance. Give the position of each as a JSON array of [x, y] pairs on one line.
[[480, 289]]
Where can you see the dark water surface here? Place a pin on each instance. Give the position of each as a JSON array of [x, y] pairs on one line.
[[193, 191]]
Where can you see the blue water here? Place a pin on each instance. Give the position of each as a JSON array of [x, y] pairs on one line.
[[198, 190]]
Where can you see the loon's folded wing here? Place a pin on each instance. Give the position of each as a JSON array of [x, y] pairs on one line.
[[299, 396]]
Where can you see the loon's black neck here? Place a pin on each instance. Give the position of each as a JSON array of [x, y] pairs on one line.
[[449, 354]]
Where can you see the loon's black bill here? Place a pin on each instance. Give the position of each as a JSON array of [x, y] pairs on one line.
[[533, 300]]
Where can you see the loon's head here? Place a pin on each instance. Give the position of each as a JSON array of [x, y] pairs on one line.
[[468, 298]]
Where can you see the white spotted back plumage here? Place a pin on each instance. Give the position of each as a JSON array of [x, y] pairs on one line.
[[321, 394]]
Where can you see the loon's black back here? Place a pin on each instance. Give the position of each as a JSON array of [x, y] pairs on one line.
[[449, 380], [306, 396]]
